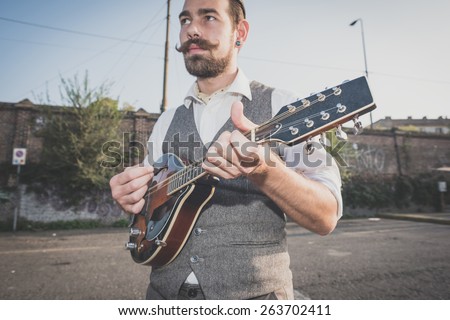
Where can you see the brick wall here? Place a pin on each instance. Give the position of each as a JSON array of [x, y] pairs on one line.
[[16, 130], [20, 121], [7, 132], [387, 152]]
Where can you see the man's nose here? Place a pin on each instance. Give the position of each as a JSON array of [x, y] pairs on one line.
[[193, 31]]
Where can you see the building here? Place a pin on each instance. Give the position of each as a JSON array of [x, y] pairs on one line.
[[440, 125]]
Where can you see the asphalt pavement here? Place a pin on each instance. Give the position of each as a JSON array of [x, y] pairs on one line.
[[376, 258]]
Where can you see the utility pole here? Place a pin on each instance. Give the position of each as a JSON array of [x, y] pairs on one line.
[[166, 61]]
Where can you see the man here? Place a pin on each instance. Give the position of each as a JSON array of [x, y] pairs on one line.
[[238, 247]]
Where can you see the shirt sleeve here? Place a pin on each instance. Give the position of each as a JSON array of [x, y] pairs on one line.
[[318, 166]]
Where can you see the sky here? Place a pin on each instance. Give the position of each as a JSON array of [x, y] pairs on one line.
[[299, 45]]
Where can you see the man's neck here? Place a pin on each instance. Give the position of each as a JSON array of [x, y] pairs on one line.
[[210, 85]]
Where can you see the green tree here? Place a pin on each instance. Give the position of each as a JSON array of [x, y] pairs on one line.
[[74, 135]]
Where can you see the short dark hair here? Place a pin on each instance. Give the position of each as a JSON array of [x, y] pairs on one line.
[[237, 11]]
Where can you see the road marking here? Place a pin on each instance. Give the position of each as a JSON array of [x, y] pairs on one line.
[[300, 296], [336, 253]]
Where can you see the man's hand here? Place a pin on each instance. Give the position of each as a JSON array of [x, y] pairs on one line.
[[128, 188], [233, 155], [309, 203]]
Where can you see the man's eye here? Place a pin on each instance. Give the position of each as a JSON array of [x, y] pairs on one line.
[[185, 21], [210, 18]]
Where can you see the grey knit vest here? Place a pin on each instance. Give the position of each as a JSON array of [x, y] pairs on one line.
[[238, 247]]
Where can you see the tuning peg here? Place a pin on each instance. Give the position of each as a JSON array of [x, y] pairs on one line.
[[324, 115], [309, 123], [291, 108], [340, 134], [130, 246], [341, 108], [324, 140], [357, 127], [294, 130], [134, 232], [309, 147], [321, 97], [337, 91], [160, 243]]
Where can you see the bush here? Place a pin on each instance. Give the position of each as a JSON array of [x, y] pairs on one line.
[[72, 158], [373, 191]]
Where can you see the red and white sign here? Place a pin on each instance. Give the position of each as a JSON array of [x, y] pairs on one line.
[[19, 156]]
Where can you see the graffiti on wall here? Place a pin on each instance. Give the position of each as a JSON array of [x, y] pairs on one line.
[[50, 207], [361, 157]]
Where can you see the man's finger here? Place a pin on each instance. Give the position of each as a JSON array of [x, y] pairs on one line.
[[240, 121], [132, 173]]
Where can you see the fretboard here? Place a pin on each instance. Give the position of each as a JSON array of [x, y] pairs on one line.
[[184, 177]]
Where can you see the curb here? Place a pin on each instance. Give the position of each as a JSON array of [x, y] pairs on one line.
[[445, 219]]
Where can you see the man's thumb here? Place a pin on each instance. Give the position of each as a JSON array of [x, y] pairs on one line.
[[239, 120]]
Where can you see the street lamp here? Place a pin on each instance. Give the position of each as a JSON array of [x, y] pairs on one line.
[[363, 42], [365, 57]]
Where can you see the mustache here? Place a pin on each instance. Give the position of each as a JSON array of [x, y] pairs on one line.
[[201, 43]]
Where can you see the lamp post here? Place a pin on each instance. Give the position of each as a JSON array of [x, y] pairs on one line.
[[365, 57]]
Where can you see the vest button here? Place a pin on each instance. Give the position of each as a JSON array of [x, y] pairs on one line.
[[198, 231], [192, 293], [195, 259]]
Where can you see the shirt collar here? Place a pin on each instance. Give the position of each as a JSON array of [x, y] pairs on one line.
[[240, 86]]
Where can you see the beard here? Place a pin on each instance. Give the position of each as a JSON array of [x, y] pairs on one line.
[[205, 66]]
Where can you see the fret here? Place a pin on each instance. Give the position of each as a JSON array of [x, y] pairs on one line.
[[180, 179], [172, 184], [189, 174], [175, 181], [184, 177]]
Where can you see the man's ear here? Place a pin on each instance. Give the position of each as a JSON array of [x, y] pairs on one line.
[[242, 30]]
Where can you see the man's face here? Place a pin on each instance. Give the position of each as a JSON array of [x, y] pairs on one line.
[[207, 37]]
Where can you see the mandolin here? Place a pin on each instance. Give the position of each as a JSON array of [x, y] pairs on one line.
[[178, 192]]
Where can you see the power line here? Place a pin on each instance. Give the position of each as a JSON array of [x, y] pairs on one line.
[[296, 64], [137, 56], [46, 44], [344, 69], [55, 45], [118, 40], [89, 34], [410, 77], [151, 22]]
